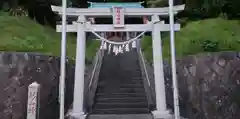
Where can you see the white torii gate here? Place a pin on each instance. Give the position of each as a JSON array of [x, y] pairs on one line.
[[81, 28]]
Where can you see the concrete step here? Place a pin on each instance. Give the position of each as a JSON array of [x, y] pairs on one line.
[[122, 86], [117, 94], [121, 111], [105, 105], [121, 99], [121, 90], [121, 116], [121, 82], [129, 81]]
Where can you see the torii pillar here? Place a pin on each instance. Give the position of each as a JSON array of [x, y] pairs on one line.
[[161, 111], [78, 97]]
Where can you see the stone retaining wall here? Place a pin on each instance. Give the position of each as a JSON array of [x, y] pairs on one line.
[[18, 70], [209, 86]]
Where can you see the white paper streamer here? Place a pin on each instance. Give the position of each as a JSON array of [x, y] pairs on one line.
[[101, 46], [109, 48], [120, 49], [134, 44], [114, 48], [105, 46], [127, 48]]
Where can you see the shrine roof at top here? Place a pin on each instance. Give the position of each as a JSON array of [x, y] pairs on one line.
[[117, 4], [106, 19]]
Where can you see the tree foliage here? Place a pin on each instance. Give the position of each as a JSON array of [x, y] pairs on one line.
[[199, 9], [195, 9]]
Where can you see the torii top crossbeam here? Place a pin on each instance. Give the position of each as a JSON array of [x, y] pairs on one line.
[[95, 12], [106, 11]]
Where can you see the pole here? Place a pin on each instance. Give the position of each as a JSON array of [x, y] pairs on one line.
[[173, 61], [63, 59]]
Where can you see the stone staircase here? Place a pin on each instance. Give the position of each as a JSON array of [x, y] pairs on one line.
[[120, 89]]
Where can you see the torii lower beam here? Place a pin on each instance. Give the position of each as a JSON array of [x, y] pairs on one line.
[[127, 28]]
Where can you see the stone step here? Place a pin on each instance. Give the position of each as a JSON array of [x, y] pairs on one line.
[[121, 86], [121, 99], [121, 116], [123, 77], [121, 90], [122, 82], [103, 105], [131, 85], [131, 82], [131, 69], [118, 94], [122, 111]]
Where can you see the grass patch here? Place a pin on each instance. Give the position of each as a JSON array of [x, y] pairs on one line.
[[21, 34], [210, 35]]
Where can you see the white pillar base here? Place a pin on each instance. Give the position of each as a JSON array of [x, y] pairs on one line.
[[77, 115], [161, 114]]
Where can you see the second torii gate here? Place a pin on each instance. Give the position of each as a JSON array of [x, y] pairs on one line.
[[81, 26]]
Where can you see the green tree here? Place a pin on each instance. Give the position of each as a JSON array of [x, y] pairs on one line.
[[157, 3]]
